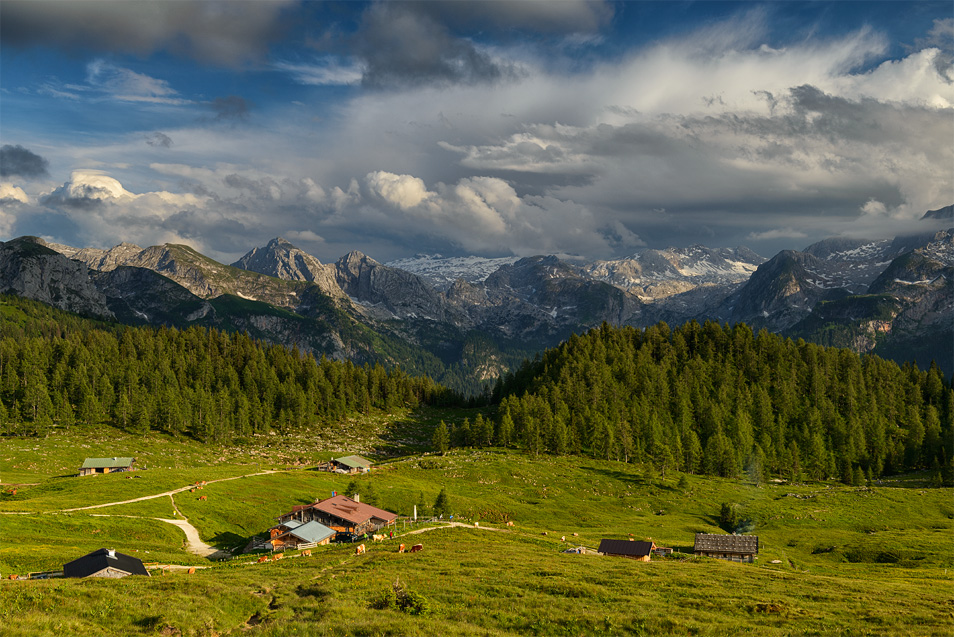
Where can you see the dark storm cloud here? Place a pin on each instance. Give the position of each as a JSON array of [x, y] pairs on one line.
[[403, 46], [159, 139], [567, 16], [17, 161], [215, 31], [230, 108]]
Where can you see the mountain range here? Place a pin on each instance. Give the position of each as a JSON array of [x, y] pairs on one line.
[[465, 321]]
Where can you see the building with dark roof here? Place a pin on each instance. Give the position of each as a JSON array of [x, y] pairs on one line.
[[342, 514], [627, 548], [736, 548], [92, 466], [104, 563]]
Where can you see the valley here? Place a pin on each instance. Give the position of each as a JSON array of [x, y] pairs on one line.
[[834, 559]]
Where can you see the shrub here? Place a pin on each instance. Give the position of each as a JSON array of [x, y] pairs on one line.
[[398, 597]]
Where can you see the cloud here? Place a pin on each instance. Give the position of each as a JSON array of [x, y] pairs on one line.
[[566, 16], [212, 31], [159, 139], [324, 72], [88, 188], [17, 161], [231, 108], [10, 194], [776, 233], [129, 86], [401, 46]]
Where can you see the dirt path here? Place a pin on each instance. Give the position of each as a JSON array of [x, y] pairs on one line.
[[194, 543], [159, 495], [446, 525]]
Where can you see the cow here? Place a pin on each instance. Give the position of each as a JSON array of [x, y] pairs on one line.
[[202, 497], [263, 558], [417, 547], [401, 549], [360, 550], [306, 552], [509, 523], [379, 537]]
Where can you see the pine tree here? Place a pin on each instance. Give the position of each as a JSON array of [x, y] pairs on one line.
[[442, 503], [441, 438]]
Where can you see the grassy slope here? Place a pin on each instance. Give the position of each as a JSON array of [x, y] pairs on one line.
[[865, 561]]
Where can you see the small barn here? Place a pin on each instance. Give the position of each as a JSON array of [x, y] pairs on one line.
[[92, 466], [300, 535], [104, 563], [735, 548], [351, 464], [627, 548]]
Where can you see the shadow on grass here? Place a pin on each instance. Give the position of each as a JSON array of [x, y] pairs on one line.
[[228, 540]]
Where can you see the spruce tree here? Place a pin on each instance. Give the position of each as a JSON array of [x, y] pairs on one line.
[[442, 503]]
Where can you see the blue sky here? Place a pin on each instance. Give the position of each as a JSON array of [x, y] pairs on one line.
[[584, 129]]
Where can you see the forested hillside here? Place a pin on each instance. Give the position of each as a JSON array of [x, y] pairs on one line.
[[724, 401], [57, 369]]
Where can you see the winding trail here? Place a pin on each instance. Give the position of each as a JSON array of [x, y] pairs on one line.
[[160, 495], [194, 543]]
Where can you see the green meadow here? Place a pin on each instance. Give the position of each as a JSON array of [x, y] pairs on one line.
[[835, 560]]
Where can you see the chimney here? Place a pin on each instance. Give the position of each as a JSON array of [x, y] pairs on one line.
[[356, 497], [111, 552]]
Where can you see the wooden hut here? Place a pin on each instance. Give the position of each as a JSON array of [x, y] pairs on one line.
[[735, 548], [627, 548], [104, 563], [300, 535], [92, 466]]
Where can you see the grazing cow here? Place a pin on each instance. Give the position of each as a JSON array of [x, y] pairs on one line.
[[509, 523], [563, 538], [263, 558], [401, 549], [202, 497], [417, 547], [306, 552], [191, 570], [275, 558], [359, 550]]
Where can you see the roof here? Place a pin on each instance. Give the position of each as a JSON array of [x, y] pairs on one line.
[[291, 524], [96, 561], [625, 547], [728, 543], [311, 532], [354, 462], [103, 463], [345, 508]]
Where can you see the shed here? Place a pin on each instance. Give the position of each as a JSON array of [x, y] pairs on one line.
[[304, 536], [627, 548], [104, 563], [735, 548], [92, 466], [352, 464]]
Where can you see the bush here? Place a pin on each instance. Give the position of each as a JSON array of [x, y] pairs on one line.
[[398, 597]]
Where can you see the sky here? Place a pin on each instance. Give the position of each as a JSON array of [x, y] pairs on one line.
[[585, 129]]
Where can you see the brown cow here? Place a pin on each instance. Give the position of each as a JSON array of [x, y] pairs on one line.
[[417, 547], [401, 549], [360, 550], [263, 558]]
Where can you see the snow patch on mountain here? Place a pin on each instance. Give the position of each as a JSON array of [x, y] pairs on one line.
[[442, 271]]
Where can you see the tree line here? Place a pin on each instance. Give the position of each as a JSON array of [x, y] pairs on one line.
[[721, 400], [198, 382]]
